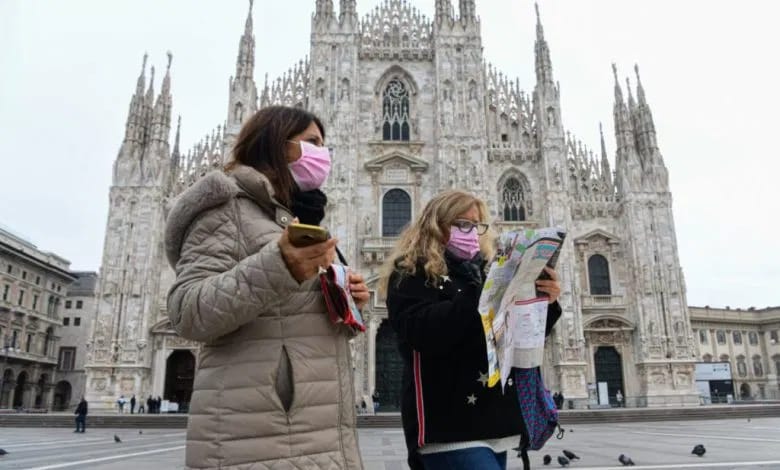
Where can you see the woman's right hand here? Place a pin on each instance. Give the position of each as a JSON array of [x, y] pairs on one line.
[[304, 262]]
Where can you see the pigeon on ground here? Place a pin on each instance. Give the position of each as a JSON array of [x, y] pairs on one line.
[[570, 455], [625, 460], [547, 459], [117, 439], [699, 450], [3, 452], [140, 431], [563, 461]]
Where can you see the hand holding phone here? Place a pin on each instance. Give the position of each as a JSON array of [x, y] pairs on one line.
[[302, 235]]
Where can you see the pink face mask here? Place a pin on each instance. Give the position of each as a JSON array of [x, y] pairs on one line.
[[312, 169], [463, 245]]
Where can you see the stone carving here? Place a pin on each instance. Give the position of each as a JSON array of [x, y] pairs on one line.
[[683, 378], [657, 378], [99, 384], [367, 225], [127, 384], [173, 342]]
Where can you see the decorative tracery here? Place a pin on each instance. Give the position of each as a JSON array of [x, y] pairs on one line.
[[395, 111]]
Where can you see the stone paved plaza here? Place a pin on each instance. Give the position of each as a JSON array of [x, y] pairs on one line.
[[736, 444]]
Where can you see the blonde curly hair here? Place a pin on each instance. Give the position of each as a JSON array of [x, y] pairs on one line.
[[426, 238]]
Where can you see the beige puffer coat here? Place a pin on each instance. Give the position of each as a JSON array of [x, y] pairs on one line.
[[273, 387]]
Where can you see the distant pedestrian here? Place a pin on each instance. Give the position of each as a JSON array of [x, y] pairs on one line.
[[159, 404], [132, 405], [560, 400], [619, 398], [120, 403], [81, 416], [150, 404]]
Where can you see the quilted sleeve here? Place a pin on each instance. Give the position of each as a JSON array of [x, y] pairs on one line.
[[215, 293]]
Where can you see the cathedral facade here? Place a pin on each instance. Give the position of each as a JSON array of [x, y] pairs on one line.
[[411, 108]]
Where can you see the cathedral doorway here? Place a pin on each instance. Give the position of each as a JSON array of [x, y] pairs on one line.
[[179, 376], [62, 395], [744, 391], [389, 369], [609, 369]]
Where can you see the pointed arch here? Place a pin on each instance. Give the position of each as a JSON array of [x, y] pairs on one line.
[[396, 212], [598, 275], [514, 197], [396, 91]]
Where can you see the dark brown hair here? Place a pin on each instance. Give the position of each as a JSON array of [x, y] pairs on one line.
[[262, 141]]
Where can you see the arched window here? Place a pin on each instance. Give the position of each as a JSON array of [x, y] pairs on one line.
[[758, 368], [707, 358], [741, 366], [598, 274], [514, 200], [737, 337], [238, 112], [753, 338], [720, 335], [776, 358], [396, 212], [395, 111], [703, 336]]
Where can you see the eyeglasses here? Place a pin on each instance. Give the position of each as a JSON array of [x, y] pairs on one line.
[[467, 226]]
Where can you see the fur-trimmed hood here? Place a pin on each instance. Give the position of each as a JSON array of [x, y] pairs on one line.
[[214, 190]]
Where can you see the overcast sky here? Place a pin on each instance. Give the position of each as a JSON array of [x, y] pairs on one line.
[[710, 71]]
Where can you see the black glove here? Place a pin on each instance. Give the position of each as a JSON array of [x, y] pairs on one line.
[[470, 271]]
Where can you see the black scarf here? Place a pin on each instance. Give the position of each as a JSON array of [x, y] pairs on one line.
[[309, 206]]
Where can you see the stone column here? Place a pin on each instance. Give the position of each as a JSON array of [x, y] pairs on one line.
[[158, 377], [28, 395], [372, 330]]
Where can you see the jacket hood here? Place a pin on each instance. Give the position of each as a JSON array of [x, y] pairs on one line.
[[213, 190]]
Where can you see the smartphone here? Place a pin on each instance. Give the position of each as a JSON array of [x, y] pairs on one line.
[[305, 235]]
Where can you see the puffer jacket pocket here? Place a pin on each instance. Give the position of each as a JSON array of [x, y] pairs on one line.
[[283, 385]]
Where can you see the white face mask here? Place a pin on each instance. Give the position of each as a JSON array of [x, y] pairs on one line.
[[312, 169]]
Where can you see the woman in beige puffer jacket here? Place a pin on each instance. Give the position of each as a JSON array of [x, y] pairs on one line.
[[273, 387]]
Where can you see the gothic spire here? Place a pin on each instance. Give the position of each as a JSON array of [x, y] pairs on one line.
[[468, 11], [631, 102], [618, 92], [135, 111], [348, 9], [175, 152], [161, 119], [141, 83], [146, 113], [245, 62], [606, 173], [645, 127], [443, 10], [623, 128], [544, 73], [640, 91], [324, 9]]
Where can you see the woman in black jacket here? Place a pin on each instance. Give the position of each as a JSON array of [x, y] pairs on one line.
[[451, 418]]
